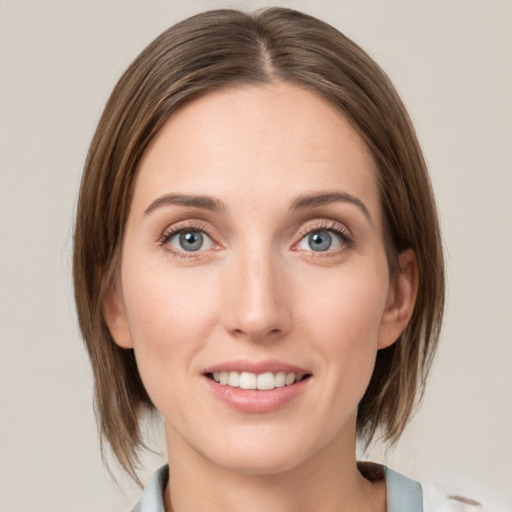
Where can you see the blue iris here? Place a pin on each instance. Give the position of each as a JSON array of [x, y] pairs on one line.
[[191, 240], [320, 240]]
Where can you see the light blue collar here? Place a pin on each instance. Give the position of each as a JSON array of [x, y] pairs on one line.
[[404, 495], [152, 499]]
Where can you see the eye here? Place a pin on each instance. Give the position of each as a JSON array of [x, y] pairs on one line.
[[321, 240], [189, 240]]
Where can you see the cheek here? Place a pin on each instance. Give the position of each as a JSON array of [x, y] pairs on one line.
[[344, 316], [348, 308], [340, 318], [169, 315], [164, 303]]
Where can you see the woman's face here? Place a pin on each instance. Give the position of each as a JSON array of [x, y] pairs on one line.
[[254, 257]]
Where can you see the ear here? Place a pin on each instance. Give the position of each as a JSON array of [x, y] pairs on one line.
[[115, 317], [401, 299]]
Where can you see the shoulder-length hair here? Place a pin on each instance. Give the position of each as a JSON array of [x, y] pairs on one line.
[[225, 48]]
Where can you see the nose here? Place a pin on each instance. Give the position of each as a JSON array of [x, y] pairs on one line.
[[258, 305]]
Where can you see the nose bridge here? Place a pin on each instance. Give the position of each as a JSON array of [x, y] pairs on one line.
[[257, 296]]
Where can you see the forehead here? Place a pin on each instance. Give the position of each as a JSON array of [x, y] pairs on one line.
[[257, 139]]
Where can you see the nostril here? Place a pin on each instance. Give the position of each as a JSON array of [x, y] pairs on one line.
[[269, 334]]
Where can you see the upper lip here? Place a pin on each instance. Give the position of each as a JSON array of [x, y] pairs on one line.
[[244, 365]]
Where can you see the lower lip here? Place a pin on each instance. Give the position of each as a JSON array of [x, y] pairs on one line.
[[254, 400]]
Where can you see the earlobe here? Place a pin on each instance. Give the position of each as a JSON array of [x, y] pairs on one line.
[[401, 299], [115, 318]]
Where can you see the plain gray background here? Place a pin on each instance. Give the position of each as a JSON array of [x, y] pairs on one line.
[[451, 62]]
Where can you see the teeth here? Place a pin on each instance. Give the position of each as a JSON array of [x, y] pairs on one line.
[[261, 381], [280, 379], [248, 380], [234, 379], [266, 381]]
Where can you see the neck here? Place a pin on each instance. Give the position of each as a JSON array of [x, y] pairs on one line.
[[327, 482]]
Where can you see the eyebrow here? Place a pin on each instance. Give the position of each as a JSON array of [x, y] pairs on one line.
[[324, 198], [302, 202], [203, 202]]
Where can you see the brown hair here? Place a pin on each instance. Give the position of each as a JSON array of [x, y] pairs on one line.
[[224, 48]]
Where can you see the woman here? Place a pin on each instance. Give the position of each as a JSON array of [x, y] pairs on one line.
[[258, 257]]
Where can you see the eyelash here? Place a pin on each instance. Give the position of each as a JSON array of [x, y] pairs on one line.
[[170, 233], [331, 226]]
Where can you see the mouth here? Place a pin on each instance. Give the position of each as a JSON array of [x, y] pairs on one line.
[[257, 386], [266, 381]]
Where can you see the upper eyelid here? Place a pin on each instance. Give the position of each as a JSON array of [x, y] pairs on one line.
[[327, 225], [179, 227], [191, 224]]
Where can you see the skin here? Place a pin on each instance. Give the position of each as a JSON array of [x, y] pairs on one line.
[[256, 290]]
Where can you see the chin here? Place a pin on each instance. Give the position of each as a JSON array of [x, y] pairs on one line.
[[259, 454], [249, 463]]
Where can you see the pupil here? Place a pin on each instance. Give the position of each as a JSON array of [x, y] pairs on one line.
[[191, 241], [320, 241]]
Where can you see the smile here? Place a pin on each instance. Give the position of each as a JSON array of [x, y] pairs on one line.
[[262, 381], [257, 386]]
